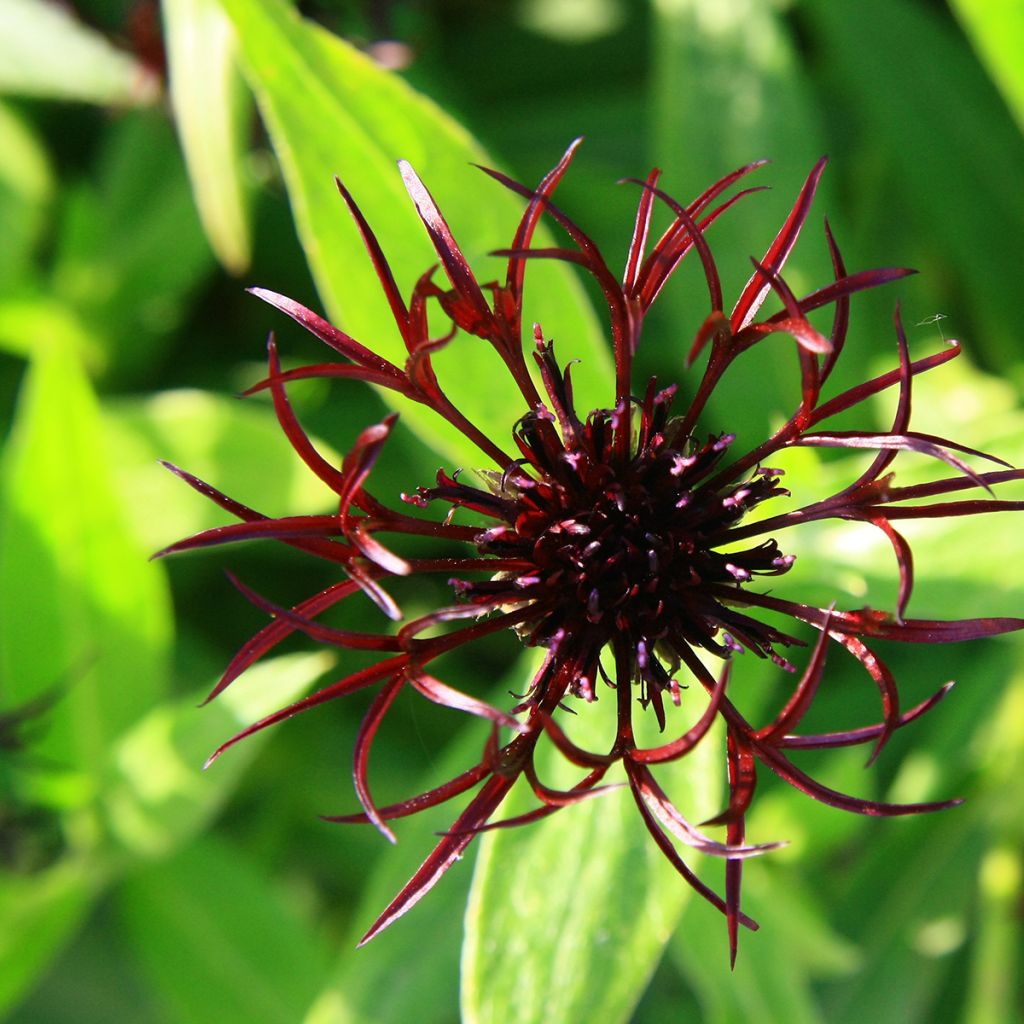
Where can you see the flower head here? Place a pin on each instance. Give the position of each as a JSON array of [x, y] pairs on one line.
[[632, 543]]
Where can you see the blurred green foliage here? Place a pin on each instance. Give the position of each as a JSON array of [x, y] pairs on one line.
[[134, 887]]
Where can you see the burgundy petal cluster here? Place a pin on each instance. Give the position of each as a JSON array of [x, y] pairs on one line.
[[626, 542]]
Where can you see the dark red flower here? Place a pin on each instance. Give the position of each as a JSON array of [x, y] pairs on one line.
[[633, 532]]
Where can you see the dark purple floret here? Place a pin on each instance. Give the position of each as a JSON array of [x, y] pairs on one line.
[[631, 543]]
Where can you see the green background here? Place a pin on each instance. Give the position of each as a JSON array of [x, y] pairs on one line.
[[135, 887]]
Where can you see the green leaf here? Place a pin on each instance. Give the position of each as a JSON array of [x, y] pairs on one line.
[[130, 249], [45, 51], [996, 29], [235, 445], [994, 988], [734, 57], [26, 189], [80, 612], [727, 89], [951, 151], [27, 317], [914, 931], [219, 940], [157, 794], [765, 986], [960, 562], [365, 985], [93, 981], [330, 110], [917, 918], [211, 108], [995, 977], [567, 918], [38, 914], [80, 608]]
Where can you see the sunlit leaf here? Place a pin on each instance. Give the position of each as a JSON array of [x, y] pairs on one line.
[[996, 28], [80, 609], [728, 88], [568, 918], [46, 51], [211, 108], [26, 189], [995, 972], [961, 560], [736, 58], [28, 319], [995, 975]]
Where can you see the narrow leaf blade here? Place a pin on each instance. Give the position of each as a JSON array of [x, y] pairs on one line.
[[211, 109]]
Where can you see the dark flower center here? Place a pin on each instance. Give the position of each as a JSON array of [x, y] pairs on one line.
[[632, 549]]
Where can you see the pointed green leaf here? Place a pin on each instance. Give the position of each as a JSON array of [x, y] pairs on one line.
[[211, 109], [996, 28], [45, 51], [80, 608], [330, 110], [568, 918]]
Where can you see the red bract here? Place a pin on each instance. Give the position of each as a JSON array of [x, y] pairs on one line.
[[628, 542]]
